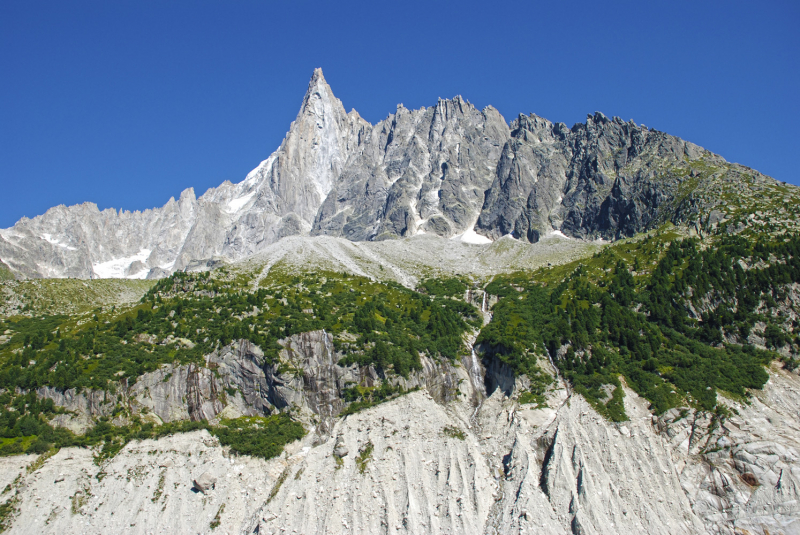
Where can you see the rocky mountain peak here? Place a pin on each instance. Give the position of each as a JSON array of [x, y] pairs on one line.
[[319, 99], [188, 195], [532, 127], [449, 169], [317, 77]]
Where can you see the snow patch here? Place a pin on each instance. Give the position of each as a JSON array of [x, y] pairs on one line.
[[49, 238], [236, 204], [115, 269], [558, 234], [470, 236], [252, 176]]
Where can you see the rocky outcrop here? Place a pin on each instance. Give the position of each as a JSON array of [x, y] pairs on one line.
[[176, 393], [309, 378], [499, 376], [449, 170], [82, 408]]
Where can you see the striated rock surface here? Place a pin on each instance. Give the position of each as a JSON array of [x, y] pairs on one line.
[[417, 171], [742, 473], [430, 461]]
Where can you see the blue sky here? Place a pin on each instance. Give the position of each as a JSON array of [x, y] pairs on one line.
[[126, 103]]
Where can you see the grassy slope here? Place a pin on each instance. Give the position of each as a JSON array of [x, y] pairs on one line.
[[68, 296], [5, 272]]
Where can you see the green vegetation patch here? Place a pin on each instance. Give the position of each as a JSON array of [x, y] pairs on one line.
[[5, 272], [454, 432], [361, 397], [24, 428], [217, 520], [667, 331], [447, 287], [35, 297], [257, 436], [364, 456], [186, 316]]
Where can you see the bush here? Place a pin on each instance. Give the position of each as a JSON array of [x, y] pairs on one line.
[[39, 446]]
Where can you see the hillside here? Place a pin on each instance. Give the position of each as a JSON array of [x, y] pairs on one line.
[[441, 323]]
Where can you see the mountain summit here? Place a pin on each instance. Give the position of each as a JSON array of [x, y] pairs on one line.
[[449, 170]]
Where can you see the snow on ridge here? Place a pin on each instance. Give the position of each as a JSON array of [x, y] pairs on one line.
[[115, 269], [236, 204], [252, 175]]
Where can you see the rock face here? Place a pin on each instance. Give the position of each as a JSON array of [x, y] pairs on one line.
[[450, 170], [742, 473], [598, 179], [314, 382], [415, 465], [417, 171], [237, 381]]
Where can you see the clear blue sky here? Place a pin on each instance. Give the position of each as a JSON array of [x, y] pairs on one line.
[[126, 103]]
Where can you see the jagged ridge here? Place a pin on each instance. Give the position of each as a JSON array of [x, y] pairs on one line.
[[450, 170]]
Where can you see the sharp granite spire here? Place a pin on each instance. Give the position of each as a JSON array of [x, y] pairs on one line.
[[278, 198]]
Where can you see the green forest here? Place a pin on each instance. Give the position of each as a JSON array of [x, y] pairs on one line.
[[188, 315], [677, 334]]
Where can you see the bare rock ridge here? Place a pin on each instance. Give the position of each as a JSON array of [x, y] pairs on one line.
[[449, 170]]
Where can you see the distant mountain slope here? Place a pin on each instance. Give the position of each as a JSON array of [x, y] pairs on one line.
[[450, 170]]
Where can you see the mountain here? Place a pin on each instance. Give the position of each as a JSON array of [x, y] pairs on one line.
[[278, 198], [450, 170], [442, 323], [277, 394]]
